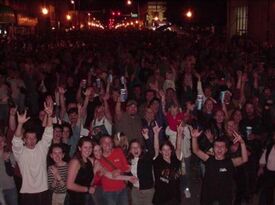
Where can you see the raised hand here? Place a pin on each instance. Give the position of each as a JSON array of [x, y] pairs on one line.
[[157, 128], [48, 106], [88, 91], [237, 138], [145, 133], [197, 75], [162, 94], [180, 128], [106, 97], [195, 133], [21, 119], [13, 111], [61, 90]]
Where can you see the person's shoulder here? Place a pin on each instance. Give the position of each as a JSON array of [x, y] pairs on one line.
[[210, 159], [117, 150], [74, 162], [158, 158]]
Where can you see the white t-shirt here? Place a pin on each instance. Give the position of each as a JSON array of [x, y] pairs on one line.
[[33, 162], [134, 163]]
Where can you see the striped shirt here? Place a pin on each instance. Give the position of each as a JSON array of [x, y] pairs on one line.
[[60, 187]]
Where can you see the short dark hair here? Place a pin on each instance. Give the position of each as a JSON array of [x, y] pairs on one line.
[[68, 125], [57, 126], [222, 139], [105, 136], [56, 146], [72, 110]]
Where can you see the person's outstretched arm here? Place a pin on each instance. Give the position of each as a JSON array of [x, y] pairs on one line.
[[244, 157], [195, 133]]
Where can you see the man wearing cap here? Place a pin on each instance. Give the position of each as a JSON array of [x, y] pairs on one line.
[[128, 122]]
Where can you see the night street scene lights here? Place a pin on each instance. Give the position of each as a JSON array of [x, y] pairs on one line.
[[44, 11], [129, 2], [189, 14], [68, 17]]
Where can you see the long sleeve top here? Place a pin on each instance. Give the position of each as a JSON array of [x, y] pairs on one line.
[[33, 162]]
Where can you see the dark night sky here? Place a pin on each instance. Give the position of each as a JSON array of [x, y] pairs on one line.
[[205, 11]]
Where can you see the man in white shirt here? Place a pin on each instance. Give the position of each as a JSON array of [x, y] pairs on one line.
[[31, 157], [267, 169]]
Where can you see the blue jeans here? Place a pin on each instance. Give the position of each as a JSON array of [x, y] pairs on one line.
[[116, 198], [10, 196]]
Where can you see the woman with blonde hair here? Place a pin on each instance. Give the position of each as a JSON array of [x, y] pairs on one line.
[[121, 140]]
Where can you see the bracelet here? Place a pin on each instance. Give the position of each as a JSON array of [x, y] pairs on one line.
[[88, 189]]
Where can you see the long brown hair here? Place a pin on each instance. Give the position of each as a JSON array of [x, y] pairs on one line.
[[77, 154]]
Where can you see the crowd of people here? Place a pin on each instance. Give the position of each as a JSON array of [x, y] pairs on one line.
[[117, 117]]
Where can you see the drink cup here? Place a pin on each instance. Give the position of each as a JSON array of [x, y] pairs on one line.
[[248, 131], [199, 102]]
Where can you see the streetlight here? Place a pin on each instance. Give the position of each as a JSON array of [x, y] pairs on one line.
[[68, 17], [189, 14], [129, 2], [44, 11]]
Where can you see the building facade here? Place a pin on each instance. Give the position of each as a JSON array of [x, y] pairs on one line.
[[254, 18]]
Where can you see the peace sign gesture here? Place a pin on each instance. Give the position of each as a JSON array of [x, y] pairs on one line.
[[156, 128], [48, 106]]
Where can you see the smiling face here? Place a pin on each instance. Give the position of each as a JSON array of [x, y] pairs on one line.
[[208, 106], [97, 152], [30, 140], [73, 117], [106, 144], [166, 152], [230, 127], [57, 135], [219, 116], [220, 149], [149, 114], [86, 149], [237, 116], [131, 109], [66, 134], [135, 149], [57, 154], [249, 109]]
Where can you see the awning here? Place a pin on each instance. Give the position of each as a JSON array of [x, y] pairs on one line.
[[7, 15]]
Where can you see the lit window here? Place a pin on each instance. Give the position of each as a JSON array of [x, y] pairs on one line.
[[241, 20]]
